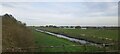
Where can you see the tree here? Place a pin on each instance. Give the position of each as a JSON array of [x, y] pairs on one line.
[[50, 25], [54, 26], [71, 26], [6, 14], [78, 27], [24, 24], [46, 26]]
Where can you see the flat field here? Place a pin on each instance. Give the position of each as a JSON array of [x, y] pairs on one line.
[[49, 43], [95, 35]]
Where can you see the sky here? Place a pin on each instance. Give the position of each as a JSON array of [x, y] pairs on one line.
[[63, 13], [59, 0]]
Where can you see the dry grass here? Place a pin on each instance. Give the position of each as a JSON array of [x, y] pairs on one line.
[[14, 34]]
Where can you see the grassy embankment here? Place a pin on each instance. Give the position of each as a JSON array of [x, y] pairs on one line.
[[15, 34], [43, 40]]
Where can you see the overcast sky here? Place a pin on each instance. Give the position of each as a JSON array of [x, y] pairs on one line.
[[63, 13], [59, 0]]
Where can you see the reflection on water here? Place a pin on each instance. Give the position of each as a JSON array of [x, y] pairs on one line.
[[71, 39]]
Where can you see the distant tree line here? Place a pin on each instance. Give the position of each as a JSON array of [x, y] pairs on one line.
[[77, 27]]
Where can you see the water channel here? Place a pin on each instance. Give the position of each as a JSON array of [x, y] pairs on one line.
[[70, 39]]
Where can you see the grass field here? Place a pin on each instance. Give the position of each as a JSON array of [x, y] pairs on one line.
[[42, 40], [97, 35]]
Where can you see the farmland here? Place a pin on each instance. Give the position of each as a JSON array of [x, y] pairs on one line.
[[102, 36], [21, 37], [43, 40], [99, 36]]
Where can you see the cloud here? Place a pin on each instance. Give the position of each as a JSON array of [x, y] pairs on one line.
[[59, 0], [73, 13]]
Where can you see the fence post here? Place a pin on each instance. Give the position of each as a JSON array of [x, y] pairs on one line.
[[64, 48], [104, 47], [84, 47]]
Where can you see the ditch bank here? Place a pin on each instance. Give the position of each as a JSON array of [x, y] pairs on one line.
[[81, 41]]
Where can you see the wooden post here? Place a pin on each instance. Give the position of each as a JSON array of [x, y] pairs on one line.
[[64, 48], [84, 48], [104, 47]]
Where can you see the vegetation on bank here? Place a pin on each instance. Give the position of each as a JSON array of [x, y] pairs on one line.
[[101, 35], [109, 37], [49, 43], [15, 34]]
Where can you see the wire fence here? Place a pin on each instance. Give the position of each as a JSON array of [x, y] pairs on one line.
[[33, 49], [40, 47]]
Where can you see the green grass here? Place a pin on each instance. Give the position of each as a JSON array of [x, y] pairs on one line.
[[103, 35], [43, 39]]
